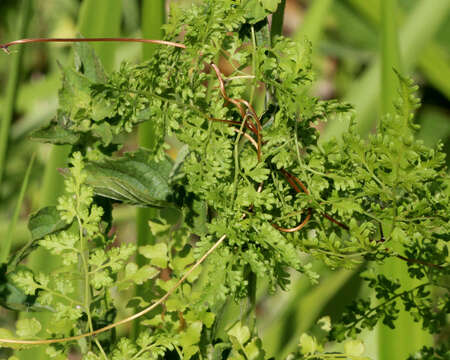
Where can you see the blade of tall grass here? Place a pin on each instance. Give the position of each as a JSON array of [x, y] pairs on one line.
[[7, 242], [313, 22], [390, 57], [300, 311], [418, 29], [277, 20], [408, 336], [101, 18], [152, 18], [433, 60], [13, 82]]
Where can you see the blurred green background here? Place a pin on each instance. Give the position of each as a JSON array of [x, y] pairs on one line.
[[355, 45]]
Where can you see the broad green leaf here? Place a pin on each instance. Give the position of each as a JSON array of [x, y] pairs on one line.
[[140, 275], [255, 11], [270, 5], [254, 350], [28, 327], [176, 303], [45, 222], [75, 92], [183, 259], [133, 179], [87, 62], [240, 332], [12, 297], [54, 133], [308, 344], [354, 347], [192, 334], [156, 253]]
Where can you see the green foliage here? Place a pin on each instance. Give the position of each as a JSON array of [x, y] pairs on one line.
[[238, 176]]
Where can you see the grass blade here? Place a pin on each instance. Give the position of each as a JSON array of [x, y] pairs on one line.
[[390, 57], [301, 311], [13, 81], [153, 17], [434, 64], [101, 18], [6, 244], [277, 20], [313, 22], [433, 60], [419, 28]]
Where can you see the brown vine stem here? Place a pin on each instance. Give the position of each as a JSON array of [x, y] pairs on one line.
[[292, 180], [237, 102], [296, 228], [333, 220], [417, 261], [128, 319], [5, 47]]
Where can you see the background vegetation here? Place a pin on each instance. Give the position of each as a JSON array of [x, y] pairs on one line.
[[354, 48]]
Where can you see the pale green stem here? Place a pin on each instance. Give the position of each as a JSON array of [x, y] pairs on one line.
[[153, 17], [6, 245], [11, 89]]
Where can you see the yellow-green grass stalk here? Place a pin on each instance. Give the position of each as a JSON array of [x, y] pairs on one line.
[[433, 61], [12, 86], [408, 336], [314, 22], [300, 310], [417, 31], [101, 18], [5, 245], [152, 18], [277, 20]]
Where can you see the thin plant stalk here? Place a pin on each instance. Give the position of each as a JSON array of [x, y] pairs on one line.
[[153, 17], [11, 89], [7, 242]]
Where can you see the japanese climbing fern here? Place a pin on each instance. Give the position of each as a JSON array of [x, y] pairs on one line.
[[251, 192]]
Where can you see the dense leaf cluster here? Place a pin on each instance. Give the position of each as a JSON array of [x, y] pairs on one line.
[[254, 172]]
